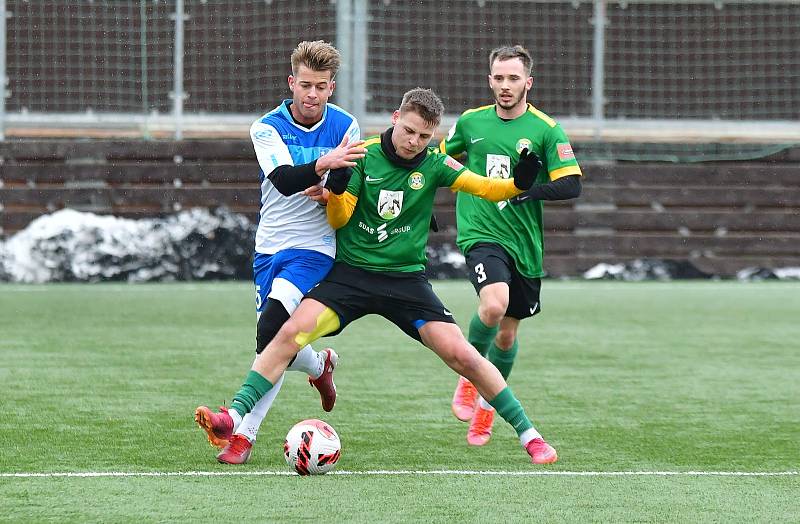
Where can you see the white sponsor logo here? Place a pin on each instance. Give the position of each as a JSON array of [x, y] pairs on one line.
[[534, 308], [382, 234], [448, 313], [475, 140], [370, 179]]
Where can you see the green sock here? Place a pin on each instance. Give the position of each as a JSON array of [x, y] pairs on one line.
[[481, 335], [508, 407], [255, 386], [503, 360]]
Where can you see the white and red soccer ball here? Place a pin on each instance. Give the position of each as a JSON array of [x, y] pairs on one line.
[[312, 447]]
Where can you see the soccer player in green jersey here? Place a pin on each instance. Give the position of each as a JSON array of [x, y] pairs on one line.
[[382, 220], [502, 242]]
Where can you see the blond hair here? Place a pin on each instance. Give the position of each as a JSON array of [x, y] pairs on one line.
[[425, 103], [317, 56]]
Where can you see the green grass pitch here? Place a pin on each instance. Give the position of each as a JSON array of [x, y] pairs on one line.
[[620, 377]]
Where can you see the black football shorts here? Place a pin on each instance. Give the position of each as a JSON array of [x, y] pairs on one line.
[[405, 299], [489, 263]]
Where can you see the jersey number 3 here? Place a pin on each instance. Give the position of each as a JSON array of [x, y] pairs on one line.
[[481, 272]]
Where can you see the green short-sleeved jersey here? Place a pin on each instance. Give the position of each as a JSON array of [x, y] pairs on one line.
[[493, 146], [388, 230]]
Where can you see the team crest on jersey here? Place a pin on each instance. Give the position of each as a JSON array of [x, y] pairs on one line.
[[498, 166], [390, 203], [416, 180], [523, 143]]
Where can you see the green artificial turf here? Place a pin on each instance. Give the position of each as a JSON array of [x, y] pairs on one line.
[[620, 377]]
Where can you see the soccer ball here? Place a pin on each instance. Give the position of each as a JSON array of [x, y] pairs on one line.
[[312, 447]]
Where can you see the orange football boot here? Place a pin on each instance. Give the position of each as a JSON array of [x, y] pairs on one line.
[[464, 400], [218, 426], [480, 427]]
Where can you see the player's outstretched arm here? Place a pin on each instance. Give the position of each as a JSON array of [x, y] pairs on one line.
[[564, 188], [277, 162], [289, 180], [494, 189]]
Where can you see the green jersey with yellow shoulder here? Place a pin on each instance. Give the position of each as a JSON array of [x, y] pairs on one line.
[[383, 217], [493, 146], [389, 227]]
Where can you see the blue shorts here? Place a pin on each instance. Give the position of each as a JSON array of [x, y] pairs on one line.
[[288, 275]]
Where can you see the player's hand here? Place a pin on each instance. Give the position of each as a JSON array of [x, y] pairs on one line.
[[318, 194], [343, 155], [526, 169], [338, 180]]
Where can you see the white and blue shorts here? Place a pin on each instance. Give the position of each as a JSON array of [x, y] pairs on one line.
[[288, 275]]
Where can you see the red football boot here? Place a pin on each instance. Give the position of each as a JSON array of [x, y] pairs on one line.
[[324, 383], [480, 427], [237, 451]]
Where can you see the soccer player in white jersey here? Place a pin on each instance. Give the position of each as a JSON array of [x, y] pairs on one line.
[[302, 147]]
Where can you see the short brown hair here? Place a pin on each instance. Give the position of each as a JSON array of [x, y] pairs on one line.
[[425, 103], [507, 52], [317, 56]]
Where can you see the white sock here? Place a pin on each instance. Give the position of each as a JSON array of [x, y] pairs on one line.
[[309, 361], [237, 418], [484, 405], [528, 435], [252, 421]]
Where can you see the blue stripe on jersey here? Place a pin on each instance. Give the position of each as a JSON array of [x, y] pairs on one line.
[[304, 155], [306, 145]]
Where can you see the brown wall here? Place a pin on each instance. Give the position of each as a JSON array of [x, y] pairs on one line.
[[723, 216]]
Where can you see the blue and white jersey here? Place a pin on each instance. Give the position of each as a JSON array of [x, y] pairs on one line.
[[295, 221]]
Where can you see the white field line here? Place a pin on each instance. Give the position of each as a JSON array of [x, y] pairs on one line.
[[93, 474]]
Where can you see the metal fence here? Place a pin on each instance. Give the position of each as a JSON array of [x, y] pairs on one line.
[[613, 70]]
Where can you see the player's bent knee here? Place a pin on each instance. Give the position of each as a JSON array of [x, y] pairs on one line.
[[492, 312]]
